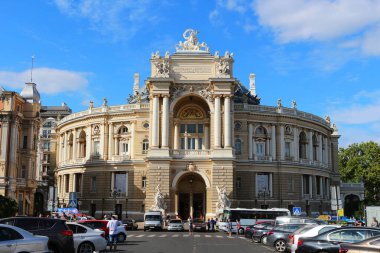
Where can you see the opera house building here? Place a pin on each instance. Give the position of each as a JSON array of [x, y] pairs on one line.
[[190, 129]]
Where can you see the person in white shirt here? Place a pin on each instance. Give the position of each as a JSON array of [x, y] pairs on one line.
[[112, 226]]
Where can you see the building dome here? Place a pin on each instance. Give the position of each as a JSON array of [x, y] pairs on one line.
[[30, 93]]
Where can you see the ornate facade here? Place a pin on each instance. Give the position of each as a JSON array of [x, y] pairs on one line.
[[194, 130]]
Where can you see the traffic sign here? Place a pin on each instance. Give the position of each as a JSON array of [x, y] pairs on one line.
[[296, 210], [72, 203]]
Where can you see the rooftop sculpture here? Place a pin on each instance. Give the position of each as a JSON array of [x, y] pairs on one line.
[[191, 43]]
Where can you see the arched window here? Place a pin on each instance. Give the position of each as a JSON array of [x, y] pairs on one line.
[[238, 146], [123, 130], [302, 145], [82, 144], [315, 147], [145, 146], [260, 131]]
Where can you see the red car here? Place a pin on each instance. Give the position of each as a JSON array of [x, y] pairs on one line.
[[102, 225]]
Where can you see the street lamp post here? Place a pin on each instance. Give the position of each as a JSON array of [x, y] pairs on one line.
[[263, 194], [115, 193]]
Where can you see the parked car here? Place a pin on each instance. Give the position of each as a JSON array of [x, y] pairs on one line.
[[14, 240], [330, 240], [87, 240], [279, 234], [60, 236], [102, 225], [307, 231], [175, 225], [199, 225], [370, 245], [260, 232], [130, 224]]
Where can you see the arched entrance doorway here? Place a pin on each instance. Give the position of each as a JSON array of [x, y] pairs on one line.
[[191, 196], [38, 203], [351, 205]]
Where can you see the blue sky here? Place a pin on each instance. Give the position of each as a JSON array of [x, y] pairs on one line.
[[324, 54]]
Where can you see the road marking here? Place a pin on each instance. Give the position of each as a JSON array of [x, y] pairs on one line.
[[163, 235], [139, 235], [197, 236], [219, 236], [131, 235], [186, 235], [151, 235], [207, 235], [175, 235]]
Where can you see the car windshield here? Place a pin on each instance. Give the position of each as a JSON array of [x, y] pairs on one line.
[[175, 221], [152, 217]]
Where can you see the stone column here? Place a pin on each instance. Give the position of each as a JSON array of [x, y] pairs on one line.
[[88, 142], [282, 143], [110, 141], [206, 140], [186, 140], [250, 141], [325, 158], [165, 121], [227, 122], [132, 146], [74, 187], [295, 144], [155, 125], [310, 146], [217, 122], [267, 147], [319, 157], [74, 144], [176, 136], [273, 143]]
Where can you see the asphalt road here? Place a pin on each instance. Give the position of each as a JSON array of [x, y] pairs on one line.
[[199, 242]]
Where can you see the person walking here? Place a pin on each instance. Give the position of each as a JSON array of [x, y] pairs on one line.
[[374, 223], [238, 226], [212, 224], [190, 225], [112, 226], [208, 224], [229, 228]]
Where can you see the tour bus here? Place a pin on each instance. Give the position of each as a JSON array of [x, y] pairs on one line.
[[248, 217]]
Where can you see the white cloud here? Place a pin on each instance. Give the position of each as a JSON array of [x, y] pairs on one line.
[[324, 20], [48, 80], [120, 19], [239, 6]]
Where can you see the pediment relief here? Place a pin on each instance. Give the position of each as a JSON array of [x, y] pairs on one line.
[[191, 113]]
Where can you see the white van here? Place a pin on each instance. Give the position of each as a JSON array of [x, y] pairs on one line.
[[153, 220]]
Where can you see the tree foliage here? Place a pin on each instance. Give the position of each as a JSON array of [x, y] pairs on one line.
[[361, 162], [8, 207]]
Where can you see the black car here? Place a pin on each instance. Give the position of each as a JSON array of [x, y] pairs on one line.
[[330, 241], [60, 236], [130, 224]]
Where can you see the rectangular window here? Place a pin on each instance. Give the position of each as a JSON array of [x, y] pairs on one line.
[[125, 148], [78, 182], [290, 184], [200, 142], [121, 182], [263, 184], [47, 146], [191, 143], [238, 182], [25, 142], [182, 143], [200, 129], [23, 171], [182, 128], [306, 184], [96, 147], [260, 149], [318, 182], [67, 183], [93, 184], [191, 128], [143, 182], [287, 149]]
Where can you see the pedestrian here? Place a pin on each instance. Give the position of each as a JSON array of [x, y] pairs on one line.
[[212, 224], [374, 223], [208, 224], [190, 225], [229, 228], [112, 226], [238, 226]]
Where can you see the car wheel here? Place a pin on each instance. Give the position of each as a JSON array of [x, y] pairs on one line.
[[241, 231], [264, 239], [86, 247], [254, 239], [121, 237], [53, 249], [280, 245]]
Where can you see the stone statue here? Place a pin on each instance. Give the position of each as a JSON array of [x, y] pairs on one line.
[[105, 102], [223, 67], [294, 104], [279, 105], [91, 105], [327, 118], [191, 42], [159, 200], [162, 68], [167, 54], [223, 201]]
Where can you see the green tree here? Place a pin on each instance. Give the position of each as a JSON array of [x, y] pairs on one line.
[[361, 162], [8, 207]]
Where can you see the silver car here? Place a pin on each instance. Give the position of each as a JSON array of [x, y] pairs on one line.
[[175, 225], [15, 239], [87, 240]]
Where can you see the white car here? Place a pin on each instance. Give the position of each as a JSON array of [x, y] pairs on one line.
[[87, 240], [15, 239], [307, 231], [175, 225]]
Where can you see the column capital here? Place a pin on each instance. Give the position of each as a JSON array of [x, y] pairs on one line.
[[217, 96], [227, 96], [165, 95]]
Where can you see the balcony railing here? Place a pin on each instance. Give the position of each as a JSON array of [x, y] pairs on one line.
[[120, 158]]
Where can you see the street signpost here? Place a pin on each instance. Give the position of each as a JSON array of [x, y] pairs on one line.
[[297, 211]]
